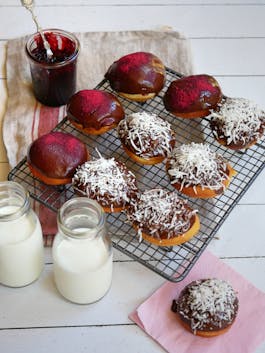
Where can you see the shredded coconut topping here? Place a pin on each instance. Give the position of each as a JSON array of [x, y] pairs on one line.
[[160, 213], [208, 304], [195, 164], [146, 134], [238, 120], [105, 180]]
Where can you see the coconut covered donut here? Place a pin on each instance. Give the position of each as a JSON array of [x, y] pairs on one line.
[[196, 171], [206, 307], [162, 218], [146, 138], [237, 123], [107, 181]]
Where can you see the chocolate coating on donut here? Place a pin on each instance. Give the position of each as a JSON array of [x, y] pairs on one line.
[[237, 122], [207, 305], [195, 164], [57, 154], [192, 93], [146, 135], [95, 109], [137, 73], [160, 213], [107, 181]]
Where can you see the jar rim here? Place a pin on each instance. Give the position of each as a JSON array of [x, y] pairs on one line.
[[81, 203], [22, 192], [58, 64]]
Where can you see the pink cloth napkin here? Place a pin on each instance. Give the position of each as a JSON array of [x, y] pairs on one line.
[[155, 317]]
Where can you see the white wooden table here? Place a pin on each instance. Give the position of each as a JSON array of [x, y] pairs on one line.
[[228, 41]]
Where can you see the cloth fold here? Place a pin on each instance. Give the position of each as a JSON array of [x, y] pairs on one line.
[[26, 119], [155, 317]]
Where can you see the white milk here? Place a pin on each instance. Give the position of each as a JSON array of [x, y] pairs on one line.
[[82, 269], [21, 248]]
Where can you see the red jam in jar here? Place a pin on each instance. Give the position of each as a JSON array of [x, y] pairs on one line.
[[53, 78]]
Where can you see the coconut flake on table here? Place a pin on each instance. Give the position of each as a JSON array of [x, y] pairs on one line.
[[239, 120], [195, 164], [140, 131]]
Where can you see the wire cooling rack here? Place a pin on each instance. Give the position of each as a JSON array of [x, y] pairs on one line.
[[172, 263]]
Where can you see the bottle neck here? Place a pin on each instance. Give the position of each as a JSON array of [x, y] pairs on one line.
[[81, 218], [14, 201]]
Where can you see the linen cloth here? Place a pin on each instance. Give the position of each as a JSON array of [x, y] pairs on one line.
[[155, 317], [26, 119]]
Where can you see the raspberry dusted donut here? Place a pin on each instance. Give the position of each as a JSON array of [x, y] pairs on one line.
[[54, 157], [237, 123], [94, 112], [197, 171], [206, 307], [107, 181], [146, 138], [138, 76], [162, 218], [192, 96]]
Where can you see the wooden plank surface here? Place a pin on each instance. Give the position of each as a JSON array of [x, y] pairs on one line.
[[80, 3], [195, 21], [88, 339], [40, 305]]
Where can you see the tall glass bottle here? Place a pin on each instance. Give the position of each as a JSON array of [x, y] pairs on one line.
[[21, 242], [82, 252]]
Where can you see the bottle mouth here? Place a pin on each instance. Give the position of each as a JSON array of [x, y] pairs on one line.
[[32, 44], [81, 218], [14, 201]]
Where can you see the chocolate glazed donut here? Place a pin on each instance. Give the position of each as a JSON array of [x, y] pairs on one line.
[[138, 76], [54, 157], [94, 111], [192, 96]]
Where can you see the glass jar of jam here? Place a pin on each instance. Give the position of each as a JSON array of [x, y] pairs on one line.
[[21, 242], [82, 252], [53, 77]]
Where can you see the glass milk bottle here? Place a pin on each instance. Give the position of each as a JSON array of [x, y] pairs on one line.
[[21, 243], [82, 252]]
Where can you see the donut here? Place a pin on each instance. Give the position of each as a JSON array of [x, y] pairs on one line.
[[192, 96], [237, 123], [137, 76], [162, 218], [106, 181], [54, 157], [196, 171], [94, 111], [206, 307], [146, 138]]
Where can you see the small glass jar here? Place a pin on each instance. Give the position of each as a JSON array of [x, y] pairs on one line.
[[21, 242], [53, 79], [82, 252]]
